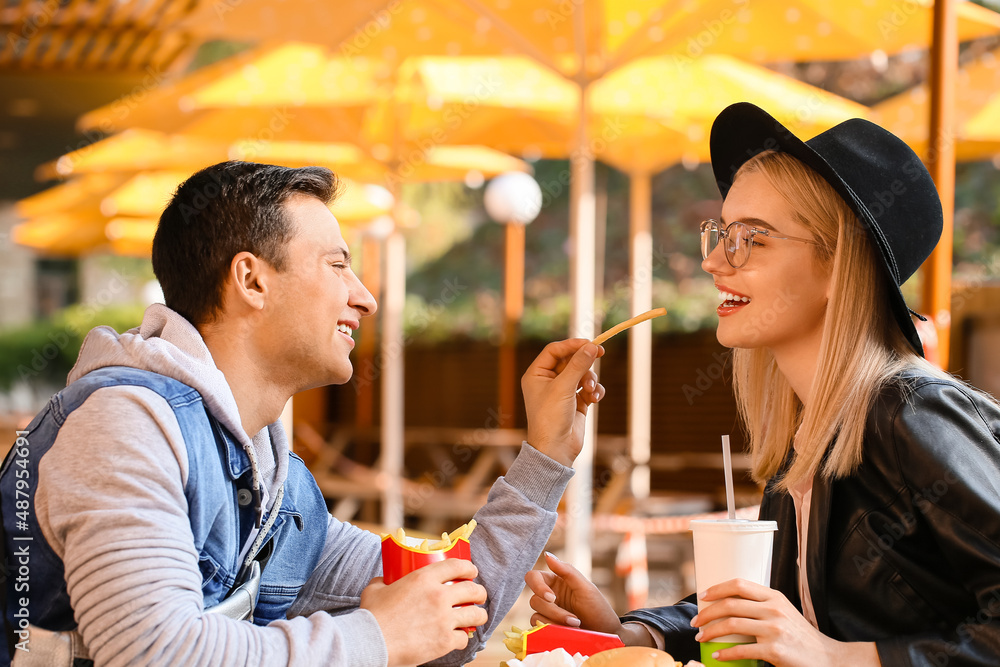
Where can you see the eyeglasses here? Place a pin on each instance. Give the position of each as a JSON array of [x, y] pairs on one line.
[[739, 240]]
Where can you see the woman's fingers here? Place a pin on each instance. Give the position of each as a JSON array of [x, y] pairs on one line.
[[553, 611], [737, 588], [540, 584]]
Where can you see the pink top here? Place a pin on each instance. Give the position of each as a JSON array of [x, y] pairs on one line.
[[802, 497]]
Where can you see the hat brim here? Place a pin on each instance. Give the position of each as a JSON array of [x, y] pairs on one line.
[[743, 130]]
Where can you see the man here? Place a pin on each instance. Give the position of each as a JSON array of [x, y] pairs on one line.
[[159, 476]]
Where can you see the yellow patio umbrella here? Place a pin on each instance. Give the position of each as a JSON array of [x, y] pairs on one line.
[[119, 212], [600, 34], [648, 115], [976, 133], [62, 234]]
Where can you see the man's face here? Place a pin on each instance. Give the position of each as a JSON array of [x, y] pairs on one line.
[[316, 303]]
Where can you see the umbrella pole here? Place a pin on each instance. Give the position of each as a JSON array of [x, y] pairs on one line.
[[582, 227], [392, 380], [941, 164], [513, 298], [640, 347]]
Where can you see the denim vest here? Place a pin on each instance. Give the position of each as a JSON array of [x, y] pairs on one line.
[[219, 497]]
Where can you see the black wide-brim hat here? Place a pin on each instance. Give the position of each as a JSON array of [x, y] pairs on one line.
[[873, 170]]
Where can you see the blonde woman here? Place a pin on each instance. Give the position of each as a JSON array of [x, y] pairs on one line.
[[882, 472]]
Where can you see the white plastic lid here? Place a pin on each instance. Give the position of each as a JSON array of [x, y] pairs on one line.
[[734, 525]]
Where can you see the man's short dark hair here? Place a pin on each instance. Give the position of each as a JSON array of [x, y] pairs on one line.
[[223, 210]]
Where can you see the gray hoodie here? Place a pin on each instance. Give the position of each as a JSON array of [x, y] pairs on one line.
[[110, 502]]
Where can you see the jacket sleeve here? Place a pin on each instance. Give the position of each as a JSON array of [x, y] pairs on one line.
[[674, 623], [945, 440], [110, 501]]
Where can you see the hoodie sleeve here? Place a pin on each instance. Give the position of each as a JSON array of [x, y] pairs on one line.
[[513, 528], [110, 501]]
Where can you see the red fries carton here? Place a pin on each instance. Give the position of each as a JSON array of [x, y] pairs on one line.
[[545, 637], [400, 556]]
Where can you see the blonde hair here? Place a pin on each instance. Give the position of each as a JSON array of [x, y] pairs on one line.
[[862, 347]]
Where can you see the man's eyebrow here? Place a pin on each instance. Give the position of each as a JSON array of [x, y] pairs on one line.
[[753, 222], [340, 251]]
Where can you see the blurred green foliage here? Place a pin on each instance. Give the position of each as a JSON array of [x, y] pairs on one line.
[[46, 350]]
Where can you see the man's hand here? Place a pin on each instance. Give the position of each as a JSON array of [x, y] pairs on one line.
[[420, 614], [556, 412]]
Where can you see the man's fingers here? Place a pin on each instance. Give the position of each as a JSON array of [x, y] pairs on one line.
[[470, 616], [554, 355], [554, 358], [448, 570], [466, 592], [579, 365]]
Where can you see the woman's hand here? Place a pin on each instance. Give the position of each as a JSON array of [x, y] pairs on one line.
[[784, 637], [565, 597]]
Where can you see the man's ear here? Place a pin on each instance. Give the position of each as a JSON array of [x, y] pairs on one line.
[[249, 276]]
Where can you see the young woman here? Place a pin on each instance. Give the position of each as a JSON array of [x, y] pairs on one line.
[[882, 472]]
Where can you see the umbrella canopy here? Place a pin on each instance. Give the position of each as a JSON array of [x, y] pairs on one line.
[[586, 39], [976, 132], [150, 149], [119, 212], [648, 115]]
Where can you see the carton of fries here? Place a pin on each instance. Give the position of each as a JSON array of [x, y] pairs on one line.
[[402, 555], [544, 637]]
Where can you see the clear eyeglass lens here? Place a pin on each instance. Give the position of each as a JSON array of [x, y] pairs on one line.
[[709, 238], [738, 242]]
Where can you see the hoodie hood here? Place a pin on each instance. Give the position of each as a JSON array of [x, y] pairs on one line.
[[166, 343]]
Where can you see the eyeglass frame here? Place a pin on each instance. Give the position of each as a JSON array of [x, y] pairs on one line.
[[724, 234]]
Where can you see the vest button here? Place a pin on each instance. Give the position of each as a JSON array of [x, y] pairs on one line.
[[243, 497]]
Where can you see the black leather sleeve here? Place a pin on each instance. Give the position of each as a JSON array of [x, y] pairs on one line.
[[674, 623], [944, 439]]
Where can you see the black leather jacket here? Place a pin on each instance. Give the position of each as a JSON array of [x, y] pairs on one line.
[[906, 551]]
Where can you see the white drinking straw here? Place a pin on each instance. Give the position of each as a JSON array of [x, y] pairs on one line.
[[727, 463]]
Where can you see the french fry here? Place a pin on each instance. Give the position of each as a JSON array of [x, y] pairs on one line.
[[423, 546], [401, 535], [631, 322]]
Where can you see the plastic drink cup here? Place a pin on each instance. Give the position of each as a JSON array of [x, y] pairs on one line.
[[730, 549]]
